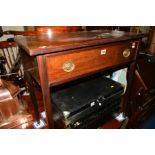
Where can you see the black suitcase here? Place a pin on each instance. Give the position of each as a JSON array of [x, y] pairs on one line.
[[87, 104]]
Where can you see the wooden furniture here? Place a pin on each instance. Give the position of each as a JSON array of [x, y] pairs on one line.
[[12, 110], [44, 29], [121, 28], [9, 51], [1, 31], [54, 59], [143, 90], [152, 41], [58, 29]]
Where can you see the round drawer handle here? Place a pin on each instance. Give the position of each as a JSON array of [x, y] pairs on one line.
[[68, 66], [126, 53]]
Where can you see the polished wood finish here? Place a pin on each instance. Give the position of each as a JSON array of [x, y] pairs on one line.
[[6, 44], [58, 29], [37, 30], [88, 61], [25, 119], [32, 94], [52, 43], [23, 33], [81, 48], [45, 90], [122, 28]]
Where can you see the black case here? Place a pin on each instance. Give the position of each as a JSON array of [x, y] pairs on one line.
[[87, 104]]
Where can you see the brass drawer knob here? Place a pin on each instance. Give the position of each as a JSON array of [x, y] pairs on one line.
[[68, 66], [126, 53]]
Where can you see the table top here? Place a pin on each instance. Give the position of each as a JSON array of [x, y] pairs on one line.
[[50, 42]]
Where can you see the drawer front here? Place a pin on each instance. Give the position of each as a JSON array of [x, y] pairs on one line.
[[76, 63]]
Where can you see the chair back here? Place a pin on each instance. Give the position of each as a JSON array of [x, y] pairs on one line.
[[9, 51]]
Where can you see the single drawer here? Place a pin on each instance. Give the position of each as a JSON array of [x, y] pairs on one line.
[[83, 61]]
